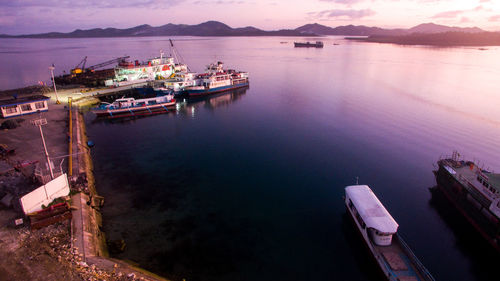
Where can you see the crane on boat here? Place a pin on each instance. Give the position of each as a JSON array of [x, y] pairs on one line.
[[80, 67]]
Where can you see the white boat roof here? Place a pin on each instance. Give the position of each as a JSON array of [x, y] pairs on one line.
[[370, 209]]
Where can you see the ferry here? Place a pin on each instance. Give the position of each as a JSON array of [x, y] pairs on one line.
[[131, 106], [176, 83], [216, 79], [379, 230], [475, 192], [317, 44]]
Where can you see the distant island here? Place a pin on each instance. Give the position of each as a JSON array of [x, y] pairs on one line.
[[447, 39], [423, 34]]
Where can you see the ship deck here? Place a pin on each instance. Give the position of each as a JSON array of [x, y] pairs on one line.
[[399, 263], [465, 174]]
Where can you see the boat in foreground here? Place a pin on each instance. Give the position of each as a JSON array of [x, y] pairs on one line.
[[216, 80], [317, 44], [379, 230], [131, 106], [474, 192]]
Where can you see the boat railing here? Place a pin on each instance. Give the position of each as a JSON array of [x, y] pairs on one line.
[[420, 267], [474, 191]]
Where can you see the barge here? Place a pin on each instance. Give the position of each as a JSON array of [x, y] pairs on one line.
[[379, 231], [474, 192], [317, 44]]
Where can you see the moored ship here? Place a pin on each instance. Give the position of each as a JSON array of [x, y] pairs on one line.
[[216, 79], [317, 44], [474, 192], [132, 107], [379, 230], [127, 72]]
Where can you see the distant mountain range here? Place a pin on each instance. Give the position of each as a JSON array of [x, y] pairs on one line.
[[361, 30], [215, 28]]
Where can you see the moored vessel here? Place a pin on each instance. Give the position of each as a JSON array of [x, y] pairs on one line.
[[474, 192], [379, 231], [131, 106], [216, 79], [317, 44], [127, 72]]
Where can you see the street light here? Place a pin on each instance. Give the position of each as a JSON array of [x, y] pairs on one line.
[[54, 83], [40, 122]]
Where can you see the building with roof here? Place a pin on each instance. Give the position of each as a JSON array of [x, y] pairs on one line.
[[22, 106]]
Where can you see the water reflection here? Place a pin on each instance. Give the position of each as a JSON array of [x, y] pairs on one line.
[[467, 239], [189, 106], [184, 106]]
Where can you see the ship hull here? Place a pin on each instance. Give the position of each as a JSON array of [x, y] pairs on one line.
[[307, 45], [475, 213], [131, 111], [204, 92]]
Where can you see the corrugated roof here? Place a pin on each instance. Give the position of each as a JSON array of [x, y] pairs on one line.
[[23, 100], [371, 209]]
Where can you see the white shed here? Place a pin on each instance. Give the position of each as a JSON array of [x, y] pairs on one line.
[[22, 106]]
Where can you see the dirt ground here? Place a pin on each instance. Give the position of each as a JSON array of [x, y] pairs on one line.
[[45, 254]]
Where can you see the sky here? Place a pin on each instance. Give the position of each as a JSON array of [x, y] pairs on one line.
[[38, 16]]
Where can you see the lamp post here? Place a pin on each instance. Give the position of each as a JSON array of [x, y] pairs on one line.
[[40, 122], [54, 83]]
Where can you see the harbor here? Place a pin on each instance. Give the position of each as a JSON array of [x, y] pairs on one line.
[[247, 184]]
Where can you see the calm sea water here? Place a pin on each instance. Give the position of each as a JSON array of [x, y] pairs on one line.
[[248, 185]]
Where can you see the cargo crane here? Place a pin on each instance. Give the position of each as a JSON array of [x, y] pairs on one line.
[[78, 69], [99, 65]]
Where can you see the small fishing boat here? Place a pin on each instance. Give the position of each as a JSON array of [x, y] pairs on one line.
[[131, 106], [379, 230]]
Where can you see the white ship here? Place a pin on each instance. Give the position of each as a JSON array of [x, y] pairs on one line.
[[379, 230]]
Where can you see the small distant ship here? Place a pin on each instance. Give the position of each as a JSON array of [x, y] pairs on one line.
[[379, 230], [216, 79], [474, 192], [131, 106], [317, 44]]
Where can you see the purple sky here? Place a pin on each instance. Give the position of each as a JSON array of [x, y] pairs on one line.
[[36, 16]]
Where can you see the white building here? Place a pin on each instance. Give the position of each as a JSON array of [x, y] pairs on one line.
[[23, 106]]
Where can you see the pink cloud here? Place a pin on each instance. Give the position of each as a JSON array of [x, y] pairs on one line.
[[494, 18], [338, 13], [448, 14]]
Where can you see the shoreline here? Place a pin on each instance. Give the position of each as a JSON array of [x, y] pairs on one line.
[[77, 246], [88, 234]]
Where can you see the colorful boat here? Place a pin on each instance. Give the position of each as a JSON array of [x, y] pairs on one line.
[[127, 73], [474, 192], [379, 230], [176, 83], [131, 106], [317, 44], [216, 79]]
